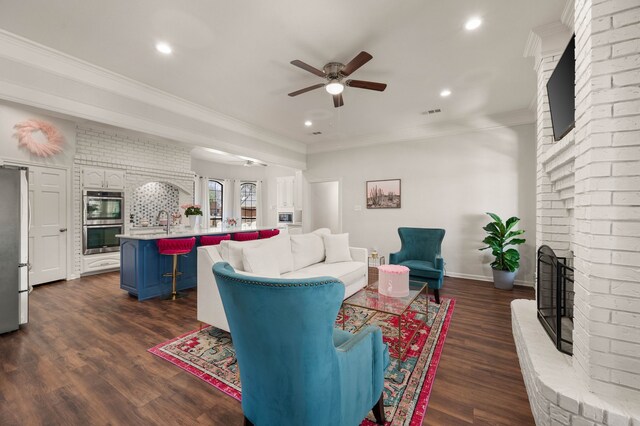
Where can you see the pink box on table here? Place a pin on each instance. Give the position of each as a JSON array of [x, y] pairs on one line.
[[393, 280]]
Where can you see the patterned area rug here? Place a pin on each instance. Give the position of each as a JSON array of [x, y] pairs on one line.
[[209, 355]]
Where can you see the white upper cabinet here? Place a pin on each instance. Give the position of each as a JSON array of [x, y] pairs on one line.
[[114, 179], [93, 177], [286, 192]]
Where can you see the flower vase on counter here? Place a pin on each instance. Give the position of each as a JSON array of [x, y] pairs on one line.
[[193, 221], [192, 211], [231, 222]]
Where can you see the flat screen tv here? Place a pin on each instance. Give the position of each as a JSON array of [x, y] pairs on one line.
[[561, 93]]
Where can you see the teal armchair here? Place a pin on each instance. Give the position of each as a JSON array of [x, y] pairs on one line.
[[295, 367], [421, 253]]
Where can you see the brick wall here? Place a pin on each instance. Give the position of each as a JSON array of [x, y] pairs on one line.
[[555, 169], [556, 393], [607, 195], [143, 160], [588, 202]]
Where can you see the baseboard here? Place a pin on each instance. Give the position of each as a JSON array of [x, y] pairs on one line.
[[485, 278]]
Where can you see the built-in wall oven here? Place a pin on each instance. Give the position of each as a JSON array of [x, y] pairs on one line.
[[101, 238], [102, 220], [103, 207]]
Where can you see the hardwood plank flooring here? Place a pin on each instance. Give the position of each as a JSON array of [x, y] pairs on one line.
[[83, 360]]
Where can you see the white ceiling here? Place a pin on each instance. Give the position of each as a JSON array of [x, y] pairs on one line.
[[234, 57]]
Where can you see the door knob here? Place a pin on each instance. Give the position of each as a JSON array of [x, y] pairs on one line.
[[63, 229]]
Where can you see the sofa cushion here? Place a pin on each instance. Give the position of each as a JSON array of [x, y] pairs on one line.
[[260, 260], [231, 251], [307, 249], [322, 231], [347, 272], [280, 245], [336, 248]]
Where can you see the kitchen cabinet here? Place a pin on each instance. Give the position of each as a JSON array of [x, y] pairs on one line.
[[286, 192], [100, 262], [97, 178]]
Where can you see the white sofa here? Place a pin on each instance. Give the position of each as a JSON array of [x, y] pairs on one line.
[[288, 256]]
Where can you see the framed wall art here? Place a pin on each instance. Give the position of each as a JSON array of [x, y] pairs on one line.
[[383, 194]]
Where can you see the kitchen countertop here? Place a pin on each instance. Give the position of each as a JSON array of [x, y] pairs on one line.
[[154, 234]]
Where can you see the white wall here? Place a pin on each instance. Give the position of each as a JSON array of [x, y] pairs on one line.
[[11, 152], [324, 203], [11, 114], [447, 182]]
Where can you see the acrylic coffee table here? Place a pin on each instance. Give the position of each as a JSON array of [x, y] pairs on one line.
[[369, 298]]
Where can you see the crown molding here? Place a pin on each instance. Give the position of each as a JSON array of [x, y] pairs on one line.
[[77, 111], [26, 52], [546, 40], [498, 121], [532, 45], [567, 17]]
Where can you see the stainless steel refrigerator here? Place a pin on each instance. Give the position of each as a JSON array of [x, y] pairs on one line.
[[14, 247]]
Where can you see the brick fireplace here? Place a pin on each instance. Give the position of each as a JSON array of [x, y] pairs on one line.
[[588, 209]]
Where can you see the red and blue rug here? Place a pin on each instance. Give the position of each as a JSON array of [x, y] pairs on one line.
[[209, 355]]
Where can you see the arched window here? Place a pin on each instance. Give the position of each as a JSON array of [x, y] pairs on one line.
[[248, 204], [215, 203]]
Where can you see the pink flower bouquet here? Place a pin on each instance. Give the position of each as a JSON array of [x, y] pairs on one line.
[[192, 209]]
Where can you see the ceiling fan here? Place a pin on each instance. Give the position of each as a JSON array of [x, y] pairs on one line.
[[334, 73]]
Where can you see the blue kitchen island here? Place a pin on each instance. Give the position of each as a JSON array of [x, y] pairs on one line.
[[142, 266]]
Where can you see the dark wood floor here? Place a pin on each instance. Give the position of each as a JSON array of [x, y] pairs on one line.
[[82, 360]]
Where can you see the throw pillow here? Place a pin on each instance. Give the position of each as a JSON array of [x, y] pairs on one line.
[[337, 248], [307, 249], [280, 245], [322, 231], [261, 261], [233, 251]]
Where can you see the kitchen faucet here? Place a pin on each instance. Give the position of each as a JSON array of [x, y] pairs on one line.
[[168, 222]]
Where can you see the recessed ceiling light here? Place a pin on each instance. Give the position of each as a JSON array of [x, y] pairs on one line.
[[473, 23], [163, 47], [308, 123], [445, 93]]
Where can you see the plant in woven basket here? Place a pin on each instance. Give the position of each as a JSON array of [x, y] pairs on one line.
[[500, 236]]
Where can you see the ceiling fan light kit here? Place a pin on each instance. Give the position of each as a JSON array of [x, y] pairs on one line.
[[334, 73], [334, 87]]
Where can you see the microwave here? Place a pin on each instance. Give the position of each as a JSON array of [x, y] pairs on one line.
[[289, 216]]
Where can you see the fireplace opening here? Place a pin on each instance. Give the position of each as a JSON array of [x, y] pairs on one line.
[[554, 298]]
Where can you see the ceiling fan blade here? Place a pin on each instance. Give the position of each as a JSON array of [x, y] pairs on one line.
[[370, 85], [361, 59], [337, 100], [307, 67], [306, 89]]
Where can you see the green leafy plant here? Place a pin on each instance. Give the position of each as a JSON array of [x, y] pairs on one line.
[[192, 209], [501, 236]]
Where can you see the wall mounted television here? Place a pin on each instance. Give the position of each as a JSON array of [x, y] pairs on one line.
[[561, 93]]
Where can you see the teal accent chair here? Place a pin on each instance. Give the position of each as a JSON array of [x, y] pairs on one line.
[[295, 367], [420, 252]]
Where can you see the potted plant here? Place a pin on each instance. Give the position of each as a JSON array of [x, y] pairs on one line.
[[192, 211], [507, 260]]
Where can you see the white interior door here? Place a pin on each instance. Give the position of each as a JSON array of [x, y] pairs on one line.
[[48, 232], [325, 206]]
